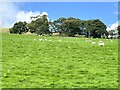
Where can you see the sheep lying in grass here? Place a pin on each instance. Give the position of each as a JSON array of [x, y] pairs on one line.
[[40, 39], [88, 40], [91, 38], [93, 43], [45, 39], [101, 43]]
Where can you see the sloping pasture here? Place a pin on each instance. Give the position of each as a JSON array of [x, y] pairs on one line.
[[30, 61]]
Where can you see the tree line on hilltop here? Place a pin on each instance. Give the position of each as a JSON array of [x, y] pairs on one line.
[[40, 25]]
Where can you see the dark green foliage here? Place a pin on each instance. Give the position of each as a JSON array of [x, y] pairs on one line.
[[67, 26], [57, 24], [94, 28], [19, 28], [71, 27], [40, 26], [99, 28], [32, 27], [118, 30]]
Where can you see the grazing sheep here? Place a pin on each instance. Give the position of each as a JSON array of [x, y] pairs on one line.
[[88, 40], [109, 36], [93, 42], [91, 38], [45, 39], [101, 43], [40, 39]]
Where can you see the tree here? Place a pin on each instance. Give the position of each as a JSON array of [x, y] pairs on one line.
[[39, 26], [96, 28], [19, 28], [118, 30], [84, 28], [32, 27], [70, 27], [57, 24]]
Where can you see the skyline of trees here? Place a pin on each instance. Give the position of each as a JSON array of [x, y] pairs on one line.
[[64, 26]]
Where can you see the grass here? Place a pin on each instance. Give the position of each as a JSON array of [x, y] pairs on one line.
[[59, 63], [4, 30]]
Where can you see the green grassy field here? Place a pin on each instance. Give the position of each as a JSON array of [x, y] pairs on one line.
[[57, 62]]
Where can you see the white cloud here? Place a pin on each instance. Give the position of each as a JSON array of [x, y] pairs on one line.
[[8, 12], [11, 13], [113, 26], [44, 13], [25, 16]]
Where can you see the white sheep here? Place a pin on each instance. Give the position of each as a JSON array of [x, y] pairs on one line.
[[45, 39], [88, 40], [101, 43], [93, 42], [109, 36], [40, 39]]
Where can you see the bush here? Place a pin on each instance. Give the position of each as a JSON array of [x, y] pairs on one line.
[[19, 28]]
